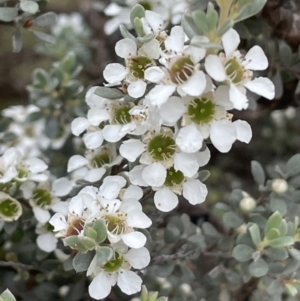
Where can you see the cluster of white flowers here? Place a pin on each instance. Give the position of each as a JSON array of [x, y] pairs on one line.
[[170, 10], [105, 220]]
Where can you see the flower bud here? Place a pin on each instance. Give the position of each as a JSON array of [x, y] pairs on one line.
[[280, 186], [242, 228], [247, 204], [185, 288]]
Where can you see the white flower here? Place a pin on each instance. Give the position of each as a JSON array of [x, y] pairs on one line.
[[19, 113], [8, 165], [235, 69], [95, 163], [117, 271]]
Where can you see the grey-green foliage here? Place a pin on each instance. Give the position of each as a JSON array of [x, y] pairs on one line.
[[7, 296], [22, 15]]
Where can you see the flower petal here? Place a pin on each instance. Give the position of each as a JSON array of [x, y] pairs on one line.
[[165, 200], [172, 110], [186, 163], [62, 187], [221, 97], [100, 287], [243, 130], [138, 258], [195, 84], [154, 19], [79, 125], [175, 42], [135, 176], [154, 74], [238, 97], [95, 174], [137, 89], [261, 86], [129, 282], [93, 140], [154, 175], [230, 41], [194, 191], [256, 59], [96, 116], [134, 240], [126, 48], [47, 242], [131, 149], [189, 139], [76, 162], [160, 94], [41, 215], [114, 73], [58, 221], [112, 132], [214, 68], [138, 219]]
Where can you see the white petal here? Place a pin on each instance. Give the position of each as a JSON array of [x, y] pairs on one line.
[[96, 116], [131, 149], [138, 219], [41, 215], [129, 282], [111, 133], [137, 89], [261, 86], [58, 221], [238, 98], [222, 135], [155, 20], [126, 48], [175, 41], [186, 163], [197, 53], [189, 139], [221, 97], [112, 9], [61, 207], [119, 179], [154, 74], [214, 68], [47, 242], [39, 177], [256, 59], [194, 191], [203, 157], [79, 125], [9, 174], [114, 73], [95, 174], [230, 41], [154, 175], [152, 49], [133, 192], [36, 165], [76, 162], [138, 258], [135, 176], [165, 200], [62, 187], [110, 190], [27, 189], [134, 239], [160, 94], [195, 84], [243, 130], [93, 140], [172, 110], [100, 287]]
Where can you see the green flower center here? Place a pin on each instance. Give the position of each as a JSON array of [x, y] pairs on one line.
[[138, 65], [122, 115], [29, 131], [9, 208], [76, 227], [234, 71], [115, 224], [181, 70], [146, 5], [99, 160], [201, 110], [174, 178], [161, 147], [22, 174], [42, 198], [114, 264]]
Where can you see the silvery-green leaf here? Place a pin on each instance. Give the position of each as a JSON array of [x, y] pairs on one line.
[[201, 21], [258, 173], [7, 296], [171, 233], [146, 38], [90, 232], [137, 11], [4, 124], [277, 81], [281, 242], [138, 26], [189, 26], [212, 17], [291, 289], [110, 93], [28, 6], [44, 37], [293, 165], [209, 230], [276, 254], [275, 287], [242, 253], [292, 266], [295, 253], [255, 234], [17, 40], [46, 20], [69, 61], [285, 53], [258, 268], [8, 14], [125, 33], [232, 220], [203, 175], [274, 221], [33, 117], [100, 228], [206, 45], [81, 262], [104, 254], [279, 205], [82, 244], [153, 296], [250, 10]]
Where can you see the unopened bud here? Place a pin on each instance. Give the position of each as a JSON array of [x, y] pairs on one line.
[[186, 288], [247, 204], [280, 186], [242, 228]]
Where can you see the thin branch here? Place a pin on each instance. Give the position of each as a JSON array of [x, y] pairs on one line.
[[22, 266]]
